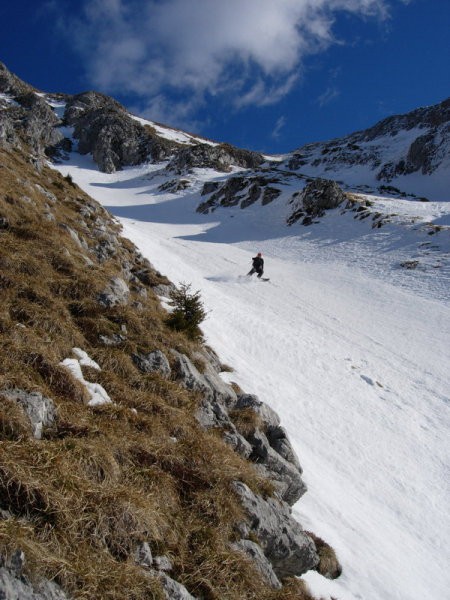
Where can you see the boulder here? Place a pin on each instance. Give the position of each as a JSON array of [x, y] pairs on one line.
[[115, 293], [289, 549], [153, 362], [174, 590], [268, 416]]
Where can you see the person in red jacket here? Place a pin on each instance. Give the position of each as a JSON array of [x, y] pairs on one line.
[[258, 265]]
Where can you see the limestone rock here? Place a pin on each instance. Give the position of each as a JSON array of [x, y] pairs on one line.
[[105, 130], [255, 553], [143, 555], [209, 383], [319, 195], [174, 590], [290, 551], [117, 292], [220, 157], [153, 362], [39, 409], [285, 475]]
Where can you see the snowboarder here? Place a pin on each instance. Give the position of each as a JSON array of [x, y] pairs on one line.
[[258, 265]]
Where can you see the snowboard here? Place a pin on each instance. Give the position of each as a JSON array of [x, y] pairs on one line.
[[264, 278]]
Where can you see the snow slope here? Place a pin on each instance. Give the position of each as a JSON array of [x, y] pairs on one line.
[[351, 350]]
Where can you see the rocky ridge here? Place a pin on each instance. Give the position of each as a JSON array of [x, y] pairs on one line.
[[420, 142]]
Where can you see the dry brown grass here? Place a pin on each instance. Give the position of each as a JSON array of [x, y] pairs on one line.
[[329, 565], [106, 478]]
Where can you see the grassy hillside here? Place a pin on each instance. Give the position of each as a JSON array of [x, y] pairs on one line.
[[104, 478]]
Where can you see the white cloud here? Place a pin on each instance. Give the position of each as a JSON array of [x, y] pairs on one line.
[[328, 96], [281, 122], [247, 51]]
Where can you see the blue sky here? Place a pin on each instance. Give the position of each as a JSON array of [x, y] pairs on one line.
[[268, 75]]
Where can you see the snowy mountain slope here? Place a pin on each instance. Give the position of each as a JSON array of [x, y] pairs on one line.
[[353, 348], [411, 152], [350, 347]]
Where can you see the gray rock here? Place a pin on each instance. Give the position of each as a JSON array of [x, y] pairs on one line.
[[174, 590], [255, 553], [16, 589], [253, 195], [209, 187], [13, 587], [238, 443], [105, 130], [175, 185], [285, 475], [39, 409], [209, 384], [270, 194], [220, 157], [162, 563], [115, 293], [153, 362], [240, 190], [279, 441], [74, 235], [268, 416], [143, 555], [11, 84], [319, 195], [113, 340], [290, 551]]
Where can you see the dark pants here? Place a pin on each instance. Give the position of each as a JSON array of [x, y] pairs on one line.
[[259, 271]]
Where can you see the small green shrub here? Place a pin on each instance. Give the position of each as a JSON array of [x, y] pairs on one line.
[[188, 311]]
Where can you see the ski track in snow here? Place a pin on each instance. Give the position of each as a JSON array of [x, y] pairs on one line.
[[351, 351]]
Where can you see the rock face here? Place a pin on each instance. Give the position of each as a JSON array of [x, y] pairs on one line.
[[239, 190], [318, 196], [104, 129], [27, 117], [220, 157], [284, 549], [290, 551]]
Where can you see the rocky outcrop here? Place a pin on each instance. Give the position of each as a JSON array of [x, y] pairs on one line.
[[30, 120], [14, 585], [153, 362], [415, 142], [289, 549], [40, 410], [220, 157], [282, 541], [317, 197], [11, 84], [115, 293], [256, 554], [240, 191], [104, 129]]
